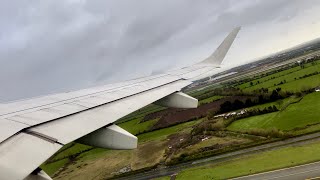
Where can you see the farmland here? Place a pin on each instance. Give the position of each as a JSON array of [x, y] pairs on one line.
[[298, 115], [136, 127], [173, 135], [290, 79], [210, 99]]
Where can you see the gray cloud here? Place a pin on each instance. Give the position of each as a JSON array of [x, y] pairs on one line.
[[51, 46]]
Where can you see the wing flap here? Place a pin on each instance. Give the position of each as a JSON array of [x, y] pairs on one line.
[[22, 154]]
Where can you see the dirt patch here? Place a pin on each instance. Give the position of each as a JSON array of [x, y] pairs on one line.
[[115, 162], [212, 143], [170, 117], [97, 168], [160, 114], [175, 142], [148, 154], [218, 146]]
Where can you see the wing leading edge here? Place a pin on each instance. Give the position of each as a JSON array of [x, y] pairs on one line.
[[33, 130]]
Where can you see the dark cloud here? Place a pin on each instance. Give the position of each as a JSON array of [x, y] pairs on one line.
[[52, 46]]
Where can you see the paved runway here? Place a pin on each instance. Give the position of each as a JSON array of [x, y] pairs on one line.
[[307, 171]]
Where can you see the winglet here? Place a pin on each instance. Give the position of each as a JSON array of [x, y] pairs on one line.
[[217, 57]]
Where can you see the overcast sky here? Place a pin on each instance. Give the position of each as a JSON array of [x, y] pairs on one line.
[[49, 46]]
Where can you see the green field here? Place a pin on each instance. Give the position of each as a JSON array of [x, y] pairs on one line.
[[283, 73], [132, 126], [289, 76], [94, 153], [51, 168], [280, 104], [76, 148], [267, 78], [196, 93], [102, 164], [62, 157], [214, 141], [301, 84], [255, 163], [300, 114], [210, 99], [135, 127], [141, 113], [163, 133]]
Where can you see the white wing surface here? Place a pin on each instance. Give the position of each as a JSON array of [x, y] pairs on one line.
[[32, 130]]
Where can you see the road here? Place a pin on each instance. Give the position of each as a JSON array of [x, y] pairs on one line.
[[175, 169], [307, 171]]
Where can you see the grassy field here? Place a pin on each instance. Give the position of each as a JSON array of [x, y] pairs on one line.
[[267, 78], [135, 127], [62, 157], [163, 133], [196, 93], [210, 99], [51, 168], [288, 76], [132, 126], [101, 164], [301, 84], [148, 141], [304, 113], [214, 141], [96, 167], [72, 150], [141, 113], [280, 104], [256, 163], [261, 121]]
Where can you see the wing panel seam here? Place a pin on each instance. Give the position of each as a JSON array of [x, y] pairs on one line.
[[104, 103], [178, 78], [42, 136]]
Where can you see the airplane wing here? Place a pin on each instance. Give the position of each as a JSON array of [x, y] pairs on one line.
[[32, 130]]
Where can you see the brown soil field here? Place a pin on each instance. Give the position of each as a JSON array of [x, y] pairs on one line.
[[171, 116]]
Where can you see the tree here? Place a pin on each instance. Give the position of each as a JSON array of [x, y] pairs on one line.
[[274, 108], [248, 102], [274, 95], [261, 99], [265, 110], [226, 106], [237, 104]]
